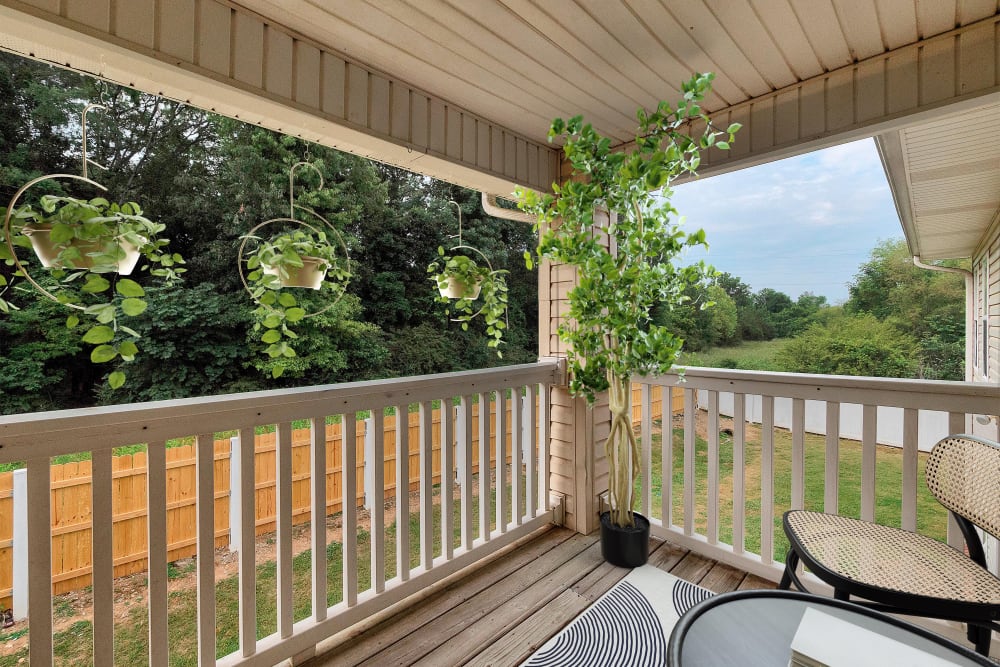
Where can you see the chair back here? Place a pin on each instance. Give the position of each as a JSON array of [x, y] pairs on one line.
[[963, 473]]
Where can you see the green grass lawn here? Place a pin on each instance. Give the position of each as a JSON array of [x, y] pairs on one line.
[[750, 355], [74, 646], [931, 516]]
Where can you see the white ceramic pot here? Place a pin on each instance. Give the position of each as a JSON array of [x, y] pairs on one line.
[[48, 252], [459, 290], [311, 275]]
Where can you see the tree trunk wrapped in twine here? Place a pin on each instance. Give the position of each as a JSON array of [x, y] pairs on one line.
[[622, 450]]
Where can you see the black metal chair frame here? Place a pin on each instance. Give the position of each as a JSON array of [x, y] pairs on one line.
[[981, 619]]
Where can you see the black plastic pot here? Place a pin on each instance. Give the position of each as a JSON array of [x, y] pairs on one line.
[[625, 547]]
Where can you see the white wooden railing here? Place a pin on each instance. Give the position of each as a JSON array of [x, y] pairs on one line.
[[521, 498], [699, 494]]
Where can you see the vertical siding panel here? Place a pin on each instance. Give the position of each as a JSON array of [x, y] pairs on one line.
[[742, 116], [93, 13], [976, 61], [937, 71], [248, 49], [483, 144], [453, 133], [510, 157], [871, 90], [419, 130], [439, 121], [278, 66], [812, 108], [762, 124], [307, 74], [840, 100], [496, 149], [379, 112], [470, 139], [533, 170], [521, 147], [399, 102], [175, 29], [134, 21], [357, 95], [214, 28], [901, 82], [334, 85], [786, 118]]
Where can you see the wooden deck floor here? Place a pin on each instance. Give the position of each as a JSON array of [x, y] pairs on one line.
[[499, 614]]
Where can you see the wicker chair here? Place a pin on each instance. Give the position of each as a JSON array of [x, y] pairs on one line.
[[901, 572]]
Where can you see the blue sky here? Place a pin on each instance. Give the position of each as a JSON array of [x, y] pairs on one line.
[[800, 224]]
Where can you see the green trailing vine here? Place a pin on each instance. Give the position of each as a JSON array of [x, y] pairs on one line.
[[85, 244], [464, 276], [280, 258], [609, 328]]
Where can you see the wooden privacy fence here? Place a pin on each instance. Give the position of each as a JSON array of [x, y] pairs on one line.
[[71, 496]]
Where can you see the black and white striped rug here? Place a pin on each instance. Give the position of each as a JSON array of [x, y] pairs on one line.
[[628, 626]]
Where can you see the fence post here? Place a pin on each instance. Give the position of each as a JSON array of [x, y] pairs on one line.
[[369, 459], [20, 543], [235, 506]]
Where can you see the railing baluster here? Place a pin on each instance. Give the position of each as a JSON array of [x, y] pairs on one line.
[[544, 464], [501, 449], [205, 473], [283, 473], [377, 511], [667, 458], [831, 488], [908, 513], [689, 452], [739, 472], [103, 557], [712, 531], [646, 440], [317, 489], [767, 480], [869, 432], [516, 483], [531, 462], [247, 566], [447, 479], [40, 561], [349, 487], [156, 523], [956, 424], [403, 492], [426, 485], [484, 466], [798, 453], [465, 442]]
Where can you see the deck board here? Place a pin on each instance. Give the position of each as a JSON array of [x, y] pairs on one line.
[[506, 609]]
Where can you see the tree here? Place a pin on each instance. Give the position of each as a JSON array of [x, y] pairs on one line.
[[859, 345], [929, 305]]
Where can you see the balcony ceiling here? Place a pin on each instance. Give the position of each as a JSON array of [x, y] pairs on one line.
[[945, 177], [520, 63]]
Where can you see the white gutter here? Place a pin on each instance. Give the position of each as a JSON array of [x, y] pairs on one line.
[[970, 308], [491, 207]]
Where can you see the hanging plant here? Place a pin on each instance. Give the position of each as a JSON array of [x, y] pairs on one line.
[[472, 291], [609, 327], [307, 256], [87, 246]]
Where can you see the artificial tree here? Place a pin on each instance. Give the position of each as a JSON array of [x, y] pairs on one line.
[[626, 261]]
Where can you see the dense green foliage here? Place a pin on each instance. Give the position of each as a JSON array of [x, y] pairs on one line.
[[209, 180]]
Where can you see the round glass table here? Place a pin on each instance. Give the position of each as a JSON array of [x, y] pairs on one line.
[[757, 628]]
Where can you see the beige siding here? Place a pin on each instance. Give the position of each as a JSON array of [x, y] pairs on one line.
[[220, 57], [987, 282]]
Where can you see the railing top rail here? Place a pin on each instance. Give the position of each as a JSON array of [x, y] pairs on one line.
[[45, 434], [968, 397]]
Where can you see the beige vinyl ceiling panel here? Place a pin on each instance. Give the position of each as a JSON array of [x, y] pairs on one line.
[[523, 62], [945, 177]]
